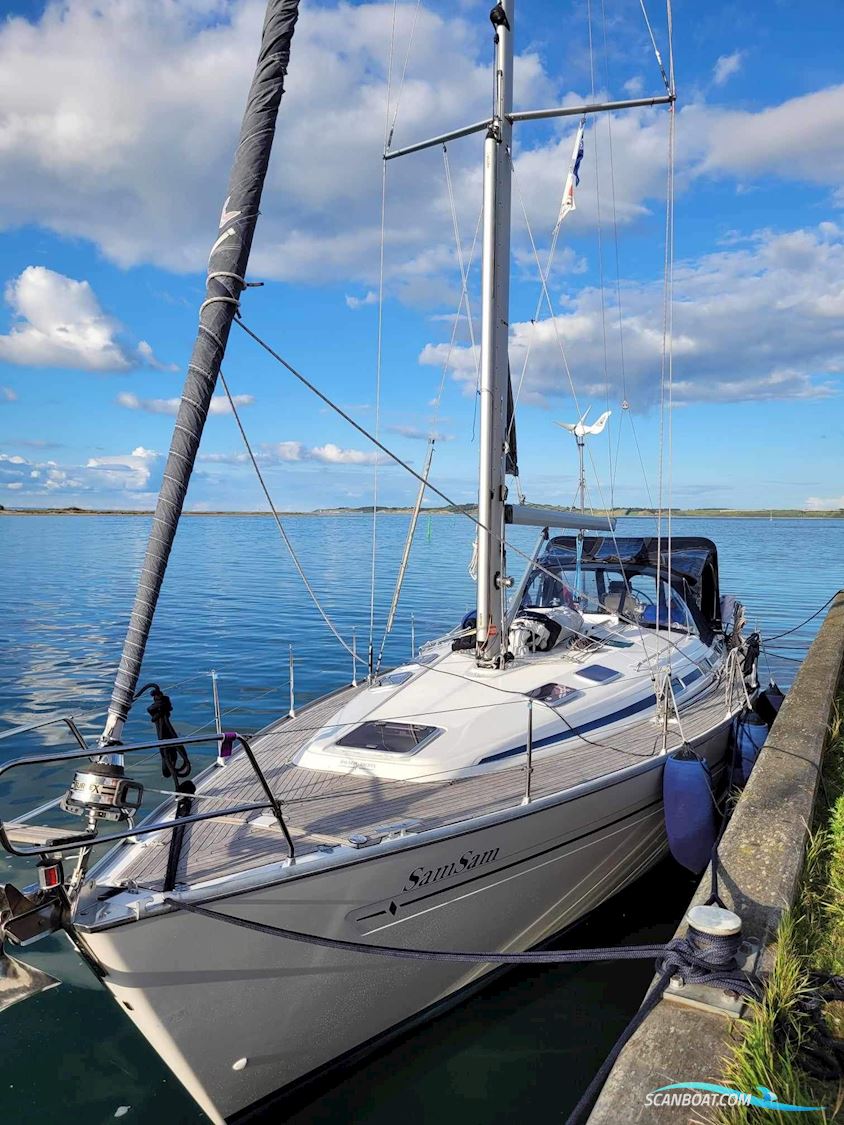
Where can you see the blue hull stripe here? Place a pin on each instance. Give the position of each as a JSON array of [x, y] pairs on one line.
[[593, 724]]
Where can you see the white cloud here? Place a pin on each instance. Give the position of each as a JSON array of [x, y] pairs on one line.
[[726, 66], [58, 322], [417, 434], [761, 320], [219, 403], [331, 454], [824, 503], [32, 443], [285, 452], [126, 138], [132, 471], [801, 139], [328, 454], [148, 357], [223, 458], [8, 394], [134, 475], [370, 298]]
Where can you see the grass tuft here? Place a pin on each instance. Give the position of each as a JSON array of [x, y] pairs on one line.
[[810, 938]]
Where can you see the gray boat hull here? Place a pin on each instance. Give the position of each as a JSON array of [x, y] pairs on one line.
[[239, 1015]]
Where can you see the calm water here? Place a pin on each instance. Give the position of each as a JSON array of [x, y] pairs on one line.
[[233, 602]]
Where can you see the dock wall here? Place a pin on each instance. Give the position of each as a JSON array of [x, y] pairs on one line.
[[761, 860]]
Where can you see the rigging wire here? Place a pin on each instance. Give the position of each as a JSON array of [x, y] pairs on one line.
[[280, 525], [562, 351], [464, 295], [666, 393], [669, 85], [464, 282], [392, 128], [465, 269], [625, 405], [669, 18], [532, 335], [405, 559], [389, 130], [543, 281], [600, 250], [672, 123], [348, 418], [380, 339], [458, 509], [621, 565]]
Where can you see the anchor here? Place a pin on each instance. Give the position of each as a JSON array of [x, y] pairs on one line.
[[24, 920]]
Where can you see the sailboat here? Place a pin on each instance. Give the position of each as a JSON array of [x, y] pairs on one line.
[[483, 796]]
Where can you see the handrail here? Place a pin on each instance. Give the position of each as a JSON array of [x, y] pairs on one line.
[[68, 720], [89, 839]]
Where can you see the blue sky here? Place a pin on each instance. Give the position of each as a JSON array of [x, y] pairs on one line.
[[117, 123]]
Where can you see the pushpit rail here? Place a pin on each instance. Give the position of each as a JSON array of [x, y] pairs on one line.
[[89, 839]]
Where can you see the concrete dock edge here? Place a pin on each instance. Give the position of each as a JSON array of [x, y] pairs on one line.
[[761, 860]]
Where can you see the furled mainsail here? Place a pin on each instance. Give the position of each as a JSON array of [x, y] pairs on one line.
[[226, 279], [511, 446]]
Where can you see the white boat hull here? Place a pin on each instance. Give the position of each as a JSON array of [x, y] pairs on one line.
[[208, 995]]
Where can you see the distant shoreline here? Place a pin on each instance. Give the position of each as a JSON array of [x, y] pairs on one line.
[[620, 513]]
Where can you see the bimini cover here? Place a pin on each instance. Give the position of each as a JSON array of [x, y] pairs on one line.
[[694, 563]]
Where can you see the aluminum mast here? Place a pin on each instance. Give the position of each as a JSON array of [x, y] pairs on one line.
[[495, 317], [225, 282]]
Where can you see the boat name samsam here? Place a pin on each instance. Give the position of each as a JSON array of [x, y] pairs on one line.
[[422, 876]]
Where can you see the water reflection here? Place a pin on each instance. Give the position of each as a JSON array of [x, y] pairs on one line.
[[233, 602]]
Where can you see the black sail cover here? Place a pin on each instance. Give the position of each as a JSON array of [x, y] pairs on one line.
[[511, 464], [226, 273]]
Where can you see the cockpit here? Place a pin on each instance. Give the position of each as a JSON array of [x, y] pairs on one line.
[[636, 597], [634, 579]]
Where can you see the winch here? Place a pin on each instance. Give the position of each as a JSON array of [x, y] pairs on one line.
[[103, 792]]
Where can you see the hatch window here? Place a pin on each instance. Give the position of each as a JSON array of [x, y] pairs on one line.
[[553, 694], [393, 679], [598, 673], [390, 738]]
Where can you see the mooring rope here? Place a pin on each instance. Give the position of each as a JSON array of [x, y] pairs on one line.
[[699, 958], [811, 617], [696, 958]]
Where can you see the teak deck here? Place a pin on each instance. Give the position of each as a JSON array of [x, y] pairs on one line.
[[327, 808]]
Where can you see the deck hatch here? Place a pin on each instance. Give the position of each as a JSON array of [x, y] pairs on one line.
[[598, 673], [393, 679], [389, 737], [554, 694]]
